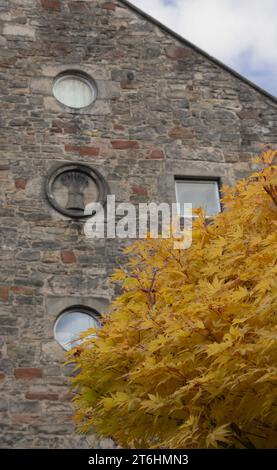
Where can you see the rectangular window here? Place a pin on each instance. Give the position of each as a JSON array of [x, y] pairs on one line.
[[200, 193]]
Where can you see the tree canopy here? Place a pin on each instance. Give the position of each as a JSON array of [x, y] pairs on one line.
[[187, 355]]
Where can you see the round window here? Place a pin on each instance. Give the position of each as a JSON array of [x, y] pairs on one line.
[[71, 323], [74, 90]]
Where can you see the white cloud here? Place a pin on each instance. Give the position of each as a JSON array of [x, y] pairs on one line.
[[241, 33]]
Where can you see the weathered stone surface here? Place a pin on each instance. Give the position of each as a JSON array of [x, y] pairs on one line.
[[177, 52], [51, 4], [68, 257], [42, 396], [21, 406], [3, 405], [124, 144], [82, 150], [162, 111], [156, 154], [28, 255], [20, 183], [4, 293], [139, 190], [180, 132], [28, 373], [18, 30]]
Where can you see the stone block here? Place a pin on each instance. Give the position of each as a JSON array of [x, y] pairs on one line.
[[28, 373], [26, 32]]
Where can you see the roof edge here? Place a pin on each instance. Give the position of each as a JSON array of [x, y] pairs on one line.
[[197, 49]]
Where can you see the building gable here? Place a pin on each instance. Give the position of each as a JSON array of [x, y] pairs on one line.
[[197, 49]]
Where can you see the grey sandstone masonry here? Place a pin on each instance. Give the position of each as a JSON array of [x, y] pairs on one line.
[[181, 115]]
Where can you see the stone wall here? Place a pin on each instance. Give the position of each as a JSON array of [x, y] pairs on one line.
[[181, 114]]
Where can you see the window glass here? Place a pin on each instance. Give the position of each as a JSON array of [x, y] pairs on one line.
[[200, 193], [74, 91], [70, 324]]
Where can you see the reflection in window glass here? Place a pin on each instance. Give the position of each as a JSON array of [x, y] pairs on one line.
[[200, 193], [70, 324]]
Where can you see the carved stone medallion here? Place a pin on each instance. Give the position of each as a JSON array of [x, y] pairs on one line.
[[71, 186]]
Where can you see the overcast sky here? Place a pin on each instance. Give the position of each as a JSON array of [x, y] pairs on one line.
[[240, 33]]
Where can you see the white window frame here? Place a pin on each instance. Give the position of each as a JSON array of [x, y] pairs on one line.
[[200, 179]]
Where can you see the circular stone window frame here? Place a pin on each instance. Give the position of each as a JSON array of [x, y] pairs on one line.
[[76, 309], [92, 173], [82, 76]]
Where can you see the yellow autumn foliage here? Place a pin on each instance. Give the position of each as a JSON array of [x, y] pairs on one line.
[[187, 356]]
